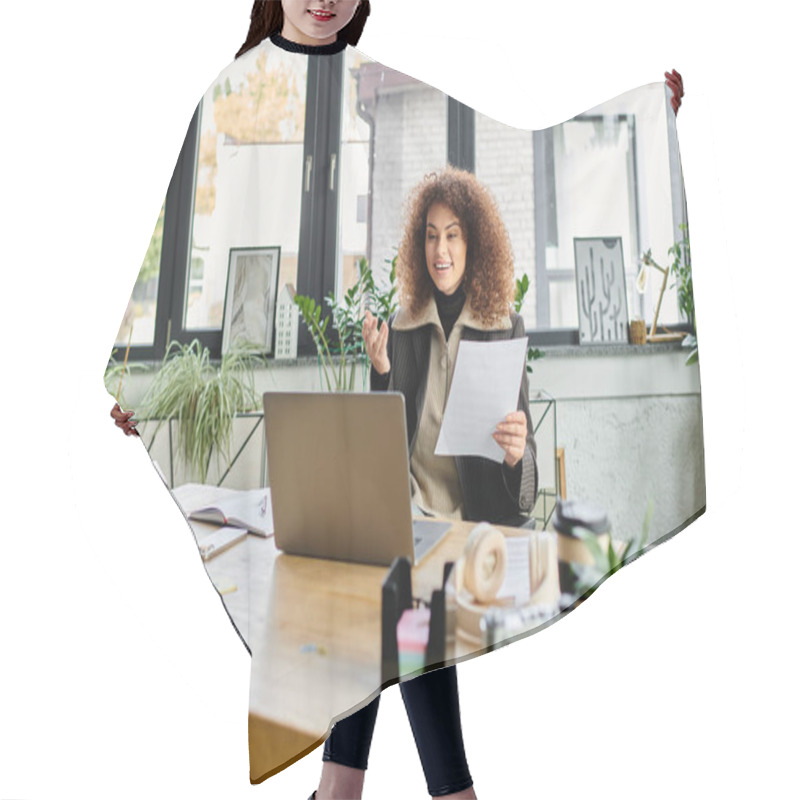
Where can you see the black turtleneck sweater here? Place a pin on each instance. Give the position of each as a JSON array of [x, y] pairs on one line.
[[449, 307]]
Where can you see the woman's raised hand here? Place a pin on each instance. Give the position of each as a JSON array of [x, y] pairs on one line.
[[124, 421], [511, 434], [375, 341]]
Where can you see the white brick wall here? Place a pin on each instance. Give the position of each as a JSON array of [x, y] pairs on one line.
[[410, 141], [511, 182]]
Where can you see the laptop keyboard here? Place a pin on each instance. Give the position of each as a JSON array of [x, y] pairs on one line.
[[427, 533]]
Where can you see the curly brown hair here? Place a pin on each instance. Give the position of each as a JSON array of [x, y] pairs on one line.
[[489, 270]]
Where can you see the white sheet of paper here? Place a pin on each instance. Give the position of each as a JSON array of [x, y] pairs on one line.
[[485, 387], [517, 581]]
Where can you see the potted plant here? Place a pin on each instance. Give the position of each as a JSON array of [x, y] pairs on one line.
[[203, 397], [521, 289], [340, 356], [682, 271], [607, 560]]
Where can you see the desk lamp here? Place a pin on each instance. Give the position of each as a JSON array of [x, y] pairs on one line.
[[641, 283]]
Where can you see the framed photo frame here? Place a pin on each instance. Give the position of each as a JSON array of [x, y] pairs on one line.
[[250, 297], [601, 289]]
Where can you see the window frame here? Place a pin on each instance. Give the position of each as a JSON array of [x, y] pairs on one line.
[[175, 238], [544, 188], [319, 216]]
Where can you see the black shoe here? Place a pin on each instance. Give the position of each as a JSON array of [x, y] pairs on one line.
[[314, 794]]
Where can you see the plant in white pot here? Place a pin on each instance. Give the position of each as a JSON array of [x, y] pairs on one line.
[[203, 397]]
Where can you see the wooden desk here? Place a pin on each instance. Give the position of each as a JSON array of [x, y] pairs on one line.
[[314, 630]]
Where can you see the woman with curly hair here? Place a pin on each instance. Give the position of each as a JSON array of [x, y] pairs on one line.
[[455, 270]]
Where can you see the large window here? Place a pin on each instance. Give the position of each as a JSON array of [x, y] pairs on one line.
[[316, 155], [249, 177], [611, 172], [590, 190], [139, 323]]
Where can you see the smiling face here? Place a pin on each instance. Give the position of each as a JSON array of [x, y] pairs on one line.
[[315, 22], [445, 248]]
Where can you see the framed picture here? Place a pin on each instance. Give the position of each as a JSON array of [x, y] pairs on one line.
[[602, 294], [250, 297]]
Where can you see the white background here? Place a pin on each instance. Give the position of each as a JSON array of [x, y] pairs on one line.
[[120, 675]]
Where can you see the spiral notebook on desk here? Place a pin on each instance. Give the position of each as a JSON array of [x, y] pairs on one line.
[[339, 478], [251, 510]]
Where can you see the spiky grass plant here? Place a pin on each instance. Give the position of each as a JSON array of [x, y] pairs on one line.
[[203, 397]]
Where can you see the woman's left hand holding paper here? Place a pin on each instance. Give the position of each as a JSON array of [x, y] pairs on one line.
[[511, 434]]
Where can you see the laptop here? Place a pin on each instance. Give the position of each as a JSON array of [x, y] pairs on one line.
[[339, 478]]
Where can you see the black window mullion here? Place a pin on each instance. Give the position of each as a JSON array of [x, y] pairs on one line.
[[460, 135], [553, 337], [317, 253], [541, 227], [331, 161], [633, 193], [309, 269], [170, 246], [166, 277], [181, 245]]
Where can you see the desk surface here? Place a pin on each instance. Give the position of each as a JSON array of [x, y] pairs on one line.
[[314, 630]]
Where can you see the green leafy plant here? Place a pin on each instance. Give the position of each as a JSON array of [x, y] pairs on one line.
[[317, 326], [340, 355], [383, 300], [606, 561], [682, 272], [203, 397], [520, 290]]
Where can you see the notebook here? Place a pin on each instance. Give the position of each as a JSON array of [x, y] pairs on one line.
[[339, 478]]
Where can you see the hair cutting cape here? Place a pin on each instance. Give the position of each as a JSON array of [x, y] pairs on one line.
[[295, 168]]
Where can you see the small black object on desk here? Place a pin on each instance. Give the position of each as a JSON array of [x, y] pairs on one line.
[[395, 599]]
